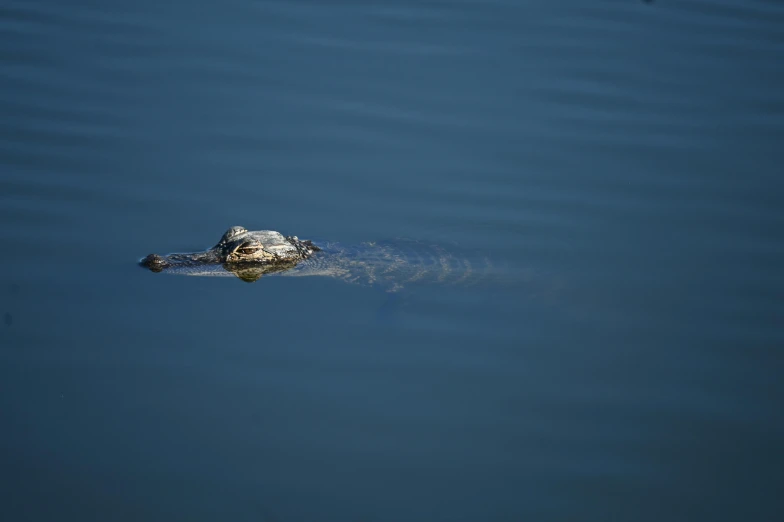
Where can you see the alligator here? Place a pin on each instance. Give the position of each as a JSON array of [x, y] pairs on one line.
[[391, 265]]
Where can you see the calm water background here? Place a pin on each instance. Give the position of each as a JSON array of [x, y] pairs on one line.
[[623, 158]]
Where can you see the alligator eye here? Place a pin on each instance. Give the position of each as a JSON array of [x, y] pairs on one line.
[[246, 251], [232, 233], [249, 247]]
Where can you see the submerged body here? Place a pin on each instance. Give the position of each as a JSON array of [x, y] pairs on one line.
[[391, 265]]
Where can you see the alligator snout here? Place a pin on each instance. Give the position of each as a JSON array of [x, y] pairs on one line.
[[154, 262]]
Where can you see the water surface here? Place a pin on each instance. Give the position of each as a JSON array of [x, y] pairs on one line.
[[623, 159]]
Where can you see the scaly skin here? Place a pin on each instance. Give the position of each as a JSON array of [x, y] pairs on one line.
[[238, 246]]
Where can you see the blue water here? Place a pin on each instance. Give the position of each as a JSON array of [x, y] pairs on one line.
[[622, 160]]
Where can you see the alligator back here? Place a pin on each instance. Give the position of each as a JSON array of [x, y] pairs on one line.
[[393, 265]]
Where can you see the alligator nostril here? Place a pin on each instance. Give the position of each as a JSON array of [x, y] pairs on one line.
[[154, 262]]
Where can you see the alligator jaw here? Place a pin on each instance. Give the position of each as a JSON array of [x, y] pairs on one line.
[[158, 263]]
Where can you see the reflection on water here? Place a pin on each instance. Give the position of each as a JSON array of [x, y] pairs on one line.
[[619, 163]]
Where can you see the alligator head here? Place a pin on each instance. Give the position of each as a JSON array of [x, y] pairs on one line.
[[263, 250]]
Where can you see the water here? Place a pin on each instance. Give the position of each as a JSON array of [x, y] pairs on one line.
[[622, 158]]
